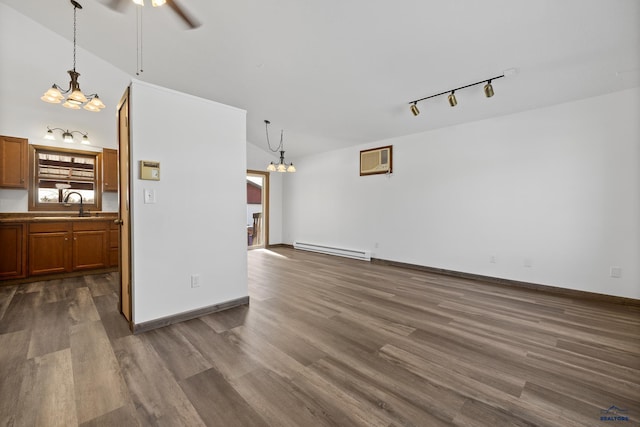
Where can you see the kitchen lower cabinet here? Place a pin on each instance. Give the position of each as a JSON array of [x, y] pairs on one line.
[[63, 247], [49, 248], [90, 245], [13, 241]]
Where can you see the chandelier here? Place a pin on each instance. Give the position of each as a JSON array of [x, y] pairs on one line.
[[282, 166], [76, 98]]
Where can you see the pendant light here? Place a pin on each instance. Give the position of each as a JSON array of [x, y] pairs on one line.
[[282, 166], [76, 99]]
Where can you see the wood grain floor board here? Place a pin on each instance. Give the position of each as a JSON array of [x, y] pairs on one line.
[[50, 330], [98, 381], [265, 354], [176, 351], [114, 323], [218, 403], [325, 341], [157, 396], [277, 400], [217, 350], [6, 295], [124, 416], [13, 356], [393, 407], [600, 352], [20, 312], [47, 395], [82, 308]]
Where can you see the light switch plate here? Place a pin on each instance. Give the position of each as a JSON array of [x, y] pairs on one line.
[[149, 196]]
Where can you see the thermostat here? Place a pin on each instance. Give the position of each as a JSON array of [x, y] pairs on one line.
[[150, 170]]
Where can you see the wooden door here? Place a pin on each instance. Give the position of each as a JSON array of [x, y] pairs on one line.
[[124, 138]]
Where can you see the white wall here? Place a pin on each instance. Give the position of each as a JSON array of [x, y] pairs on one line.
[[557, 188], [197, 224], [32, 58], [258, 159]]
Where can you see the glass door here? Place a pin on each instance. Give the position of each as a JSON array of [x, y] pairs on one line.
[[257, 209]]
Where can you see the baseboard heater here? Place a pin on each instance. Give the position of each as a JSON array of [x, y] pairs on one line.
[[330, 250]]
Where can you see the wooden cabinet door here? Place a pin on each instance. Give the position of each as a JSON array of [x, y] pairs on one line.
[[13, 162], [49, 253], [13, 241], [89, 249], [109, 169]]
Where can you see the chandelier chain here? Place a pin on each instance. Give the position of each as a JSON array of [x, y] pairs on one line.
[[75, 9], [279, 147]]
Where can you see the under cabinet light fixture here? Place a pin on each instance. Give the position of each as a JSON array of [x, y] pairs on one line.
[[76, 98], [67, 135], [488, 92]]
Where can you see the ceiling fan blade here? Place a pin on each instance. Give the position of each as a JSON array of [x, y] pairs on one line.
[[190, 21], [117, 5]]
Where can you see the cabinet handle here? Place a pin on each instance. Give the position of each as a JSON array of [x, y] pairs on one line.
[[75, 238], [66, 238], [118, 221]]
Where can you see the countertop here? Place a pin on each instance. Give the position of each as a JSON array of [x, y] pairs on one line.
[[52, 217]]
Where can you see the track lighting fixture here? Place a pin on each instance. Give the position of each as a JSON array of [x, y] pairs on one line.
[[452, 99], [282, 166], [488, 89], [67, 135], [488, 92]]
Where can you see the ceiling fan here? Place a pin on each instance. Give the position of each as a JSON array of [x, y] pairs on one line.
[[191, 22]]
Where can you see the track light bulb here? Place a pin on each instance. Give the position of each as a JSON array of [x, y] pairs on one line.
[[414, 109], [452, 99], [488, 89]]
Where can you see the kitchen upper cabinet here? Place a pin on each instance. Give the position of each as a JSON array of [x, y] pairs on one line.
[[13, 241], [109, 169], [13, 162]]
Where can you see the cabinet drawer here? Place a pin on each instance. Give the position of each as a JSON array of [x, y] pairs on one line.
[[49, 227], [90, 225]]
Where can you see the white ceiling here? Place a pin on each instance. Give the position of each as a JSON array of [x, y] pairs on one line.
[[336, 73]]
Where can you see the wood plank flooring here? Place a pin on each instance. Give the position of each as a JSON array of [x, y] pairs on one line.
[[326, 341]]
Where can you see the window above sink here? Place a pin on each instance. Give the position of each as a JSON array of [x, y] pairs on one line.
[[55, 173]]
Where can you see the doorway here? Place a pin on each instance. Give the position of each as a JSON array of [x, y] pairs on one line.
[[257, 209]]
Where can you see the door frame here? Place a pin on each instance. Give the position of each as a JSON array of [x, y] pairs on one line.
[[124, 207], [265, 203]]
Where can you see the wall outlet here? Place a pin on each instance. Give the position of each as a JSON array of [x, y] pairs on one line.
[[528, 262], [195, 280], [615, 272], [492, 259]]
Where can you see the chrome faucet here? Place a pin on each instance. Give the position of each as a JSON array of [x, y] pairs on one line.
[[66, 201]]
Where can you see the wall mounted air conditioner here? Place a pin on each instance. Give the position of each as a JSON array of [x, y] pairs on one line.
[[376, 160]]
